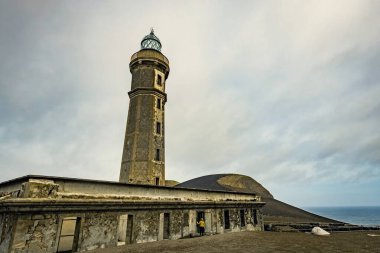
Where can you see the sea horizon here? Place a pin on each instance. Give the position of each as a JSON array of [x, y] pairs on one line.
[[356, 215]]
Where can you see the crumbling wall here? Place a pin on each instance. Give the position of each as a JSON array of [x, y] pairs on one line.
[[220, 221], [215, 220], [260, 220], [98, 230], [146, 225], [35, 233], [250, 220], [176, 220], [39, 188], [186, 224], [6, 227], [192, 222], [235, 220]]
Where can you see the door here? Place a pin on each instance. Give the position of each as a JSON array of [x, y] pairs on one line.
[[129, 237], [226, 219], [166, 225], [200, 214]]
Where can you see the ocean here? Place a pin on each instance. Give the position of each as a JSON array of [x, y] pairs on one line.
[[358, 215]]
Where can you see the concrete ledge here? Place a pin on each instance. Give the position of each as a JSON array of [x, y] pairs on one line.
[[32, 205]]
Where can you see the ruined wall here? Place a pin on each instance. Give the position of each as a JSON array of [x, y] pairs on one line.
[[98, 230], [146, 226], [41, 233], [35, 233], [176, 222], [7, 222], [220, 221], [55, 200], [186, 223]]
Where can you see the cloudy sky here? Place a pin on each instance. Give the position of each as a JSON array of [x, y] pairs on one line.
[[287, 92]]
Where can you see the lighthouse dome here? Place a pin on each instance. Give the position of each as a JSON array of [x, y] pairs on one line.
[[151, 41]]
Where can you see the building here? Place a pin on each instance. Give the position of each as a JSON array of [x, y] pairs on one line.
[[54, 214], [143, 159]]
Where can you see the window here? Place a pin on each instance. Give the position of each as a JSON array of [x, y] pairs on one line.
[[158, 103], [157, 181], [242, 218], [158, 128], [159, 80], [68, 239], [157, 154], [226, 219]]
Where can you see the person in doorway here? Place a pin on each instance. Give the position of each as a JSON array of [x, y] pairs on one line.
[[201, 225]]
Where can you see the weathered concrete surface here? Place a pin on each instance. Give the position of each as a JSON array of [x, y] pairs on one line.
[[35, 233], [39, 188], [143, 160], [146, 226], [98, 230], [7, 222], [34, 214]]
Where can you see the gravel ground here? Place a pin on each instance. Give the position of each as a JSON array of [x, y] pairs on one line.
[[259, 242]]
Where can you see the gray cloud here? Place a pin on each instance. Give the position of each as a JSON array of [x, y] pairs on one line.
[[285, 92]]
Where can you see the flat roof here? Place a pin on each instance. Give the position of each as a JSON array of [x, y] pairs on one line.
[[27, 177]]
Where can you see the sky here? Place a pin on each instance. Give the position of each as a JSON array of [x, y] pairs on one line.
[[286, 92]]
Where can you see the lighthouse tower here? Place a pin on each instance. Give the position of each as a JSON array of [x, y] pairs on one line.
[[143, 160]]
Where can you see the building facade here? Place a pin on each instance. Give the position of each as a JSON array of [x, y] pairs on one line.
[[143, 160], [54, 214]]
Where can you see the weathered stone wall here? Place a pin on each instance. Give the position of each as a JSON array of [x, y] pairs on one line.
[[35, 233], [142, 76], [41, 233], [98, 230], [31, 220], [176, 223], [146, 226], [39, 188], [70, 188], [7, 222], [139, 163]]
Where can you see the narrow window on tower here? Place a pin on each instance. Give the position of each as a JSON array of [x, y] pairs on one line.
[[157, 155], [157, 180], [158, 103], [158, 127], [159, 80]]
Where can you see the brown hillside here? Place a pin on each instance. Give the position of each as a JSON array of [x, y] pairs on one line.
[[274, 210]]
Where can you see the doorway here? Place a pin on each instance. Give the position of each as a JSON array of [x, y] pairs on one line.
[[226, 219], [166, 225], [200, 214], [129, 236]]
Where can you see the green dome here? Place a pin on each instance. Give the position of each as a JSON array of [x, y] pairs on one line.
[[151, 42]]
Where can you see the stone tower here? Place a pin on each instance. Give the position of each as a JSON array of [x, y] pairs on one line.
[[143, 160]]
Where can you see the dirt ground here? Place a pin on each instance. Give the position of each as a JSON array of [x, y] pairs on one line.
[[259, 242]]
